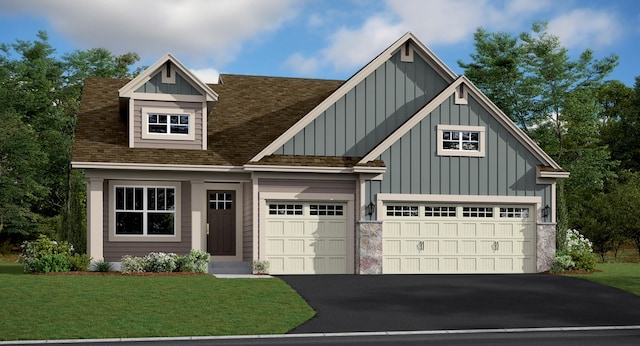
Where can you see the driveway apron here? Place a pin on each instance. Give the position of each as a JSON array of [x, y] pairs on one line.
[[366, 303]]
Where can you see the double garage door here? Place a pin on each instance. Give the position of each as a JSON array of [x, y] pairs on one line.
[[441, 238], [306, 237]]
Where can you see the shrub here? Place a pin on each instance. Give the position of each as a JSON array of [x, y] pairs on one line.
[[260, 267], [577, 254], [51, 263], [44, 255], [102, 266], [79, 262], [160, 262], [132, 264], [195, 261]]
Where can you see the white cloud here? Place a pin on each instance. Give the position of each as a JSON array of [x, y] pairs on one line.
[[301, 65], [586, 28], [206, 75], [196, 28]]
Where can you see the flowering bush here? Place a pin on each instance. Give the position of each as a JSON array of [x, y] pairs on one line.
[[195, 261], [45, 255], [160, 262], [577, 254], [132, 264]]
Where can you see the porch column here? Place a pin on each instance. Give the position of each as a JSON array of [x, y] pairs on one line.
[[95, 218], [198, 228]]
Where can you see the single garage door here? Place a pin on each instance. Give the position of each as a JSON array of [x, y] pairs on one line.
[[306, 237], [442, 238]]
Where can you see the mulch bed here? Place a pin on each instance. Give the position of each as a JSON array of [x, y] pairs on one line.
[[115, 273]]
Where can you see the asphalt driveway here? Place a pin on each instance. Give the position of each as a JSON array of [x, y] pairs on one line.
[[361, 303]]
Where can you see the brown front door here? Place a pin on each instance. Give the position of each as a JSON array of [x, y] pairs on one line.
[[221, 219]]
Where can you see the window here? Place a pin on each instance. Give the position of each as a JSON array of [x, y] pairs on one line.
[[439, 211], [145, 211], [168, 124], [402, 210], [454, 140], [477, 212], [220, 201], [285, 209], [521, 213], [328, 209]]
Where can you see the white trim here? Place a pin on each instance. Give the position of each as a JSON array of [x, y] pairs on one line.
[[171, 79], [95, 218], [205, 121], [167, 97], [132, 127], [263, 197], [156, 167], [383, 198], [350, 84], [129, 89], [313, 169], [176, 237], [239, 206], [198, 194], [462, 96], [440, 128], [413, 121], [255, 214], [191, 114]]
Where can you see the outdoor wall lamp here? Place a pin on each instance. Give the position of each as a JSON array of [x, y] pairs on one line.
[[371, 208], [545, 211]]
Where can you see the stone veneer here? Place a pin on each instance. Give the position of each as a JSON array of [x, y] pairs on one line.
[[546, 246], [369, 247]]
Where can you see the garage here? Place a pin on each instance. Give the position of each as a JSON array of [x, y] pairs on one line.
[[306, 237], [458, 238]]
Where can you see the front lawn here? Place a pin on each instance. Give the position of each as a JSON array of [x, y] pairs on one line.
[[96, 306], [625, 276]]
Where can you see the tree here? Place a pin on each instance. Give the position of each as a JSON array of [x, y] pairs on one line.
[[553, 99], [40, 93], [21, 164]]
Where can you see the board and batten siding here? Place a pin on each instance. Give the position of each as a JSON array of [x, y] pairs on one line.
[[413, 166], [180, 87], [378, 105], [113, 251], [139, 142]]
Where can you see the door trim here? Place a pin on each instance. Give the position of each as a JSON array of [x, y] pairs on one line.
[[239, 211]]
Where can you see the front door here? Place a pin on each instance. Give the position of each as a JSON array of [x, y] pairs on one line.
[[221, 223]]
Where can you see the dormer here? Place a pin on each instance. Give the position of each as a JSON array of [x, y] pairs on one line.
[[166, 106]]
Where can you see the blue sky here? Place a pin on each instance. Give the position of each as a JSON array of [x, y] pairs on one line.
[[329, 39]]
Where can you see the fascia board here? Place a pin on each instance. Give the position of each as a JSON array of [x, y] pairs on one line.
[[347, 86], [134, 84], [296, 169], [411, 122], [155, 167], [499, 115]]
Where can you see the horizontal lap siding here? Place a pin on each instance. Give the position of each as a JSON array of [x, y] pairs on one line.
[[167, 144], [113, 251], [247, 222], [369, 112], [413, 166], [308, 186]]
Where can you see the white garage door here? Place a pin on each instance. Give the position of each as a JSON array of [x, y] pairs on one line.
[[306, 237], [441, 238]]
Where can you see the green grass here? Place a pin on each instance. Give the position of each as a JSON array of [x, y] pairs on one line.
[[35, 307], [625, 276]]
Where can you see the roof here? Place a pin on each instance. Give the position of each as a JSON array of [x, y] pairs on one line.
[[237, 131]]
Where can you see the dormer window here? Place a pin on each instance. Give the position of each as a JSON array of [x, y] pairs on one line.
[[173, 124], [168, 123]]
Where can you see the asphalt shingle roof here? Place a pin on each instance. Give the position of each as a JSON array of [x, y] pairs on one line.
[[251, 112]]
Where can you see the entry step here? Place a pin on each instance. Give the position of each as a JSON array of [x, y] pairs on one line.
[[229, 268]]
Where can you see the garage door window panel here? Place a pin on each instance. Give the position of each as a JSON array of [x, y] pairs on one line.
[[326, 210], [481, 212], [285, 209], [435, 211], [402, 210], [519, 213]]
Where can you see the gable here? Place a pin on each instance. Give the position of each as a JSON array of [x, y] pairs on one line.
[[370, 111], [180, 86]]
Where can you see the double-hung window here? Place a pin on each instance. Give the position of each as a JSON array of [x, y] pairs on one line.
[[455, 140], [145, 211]]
